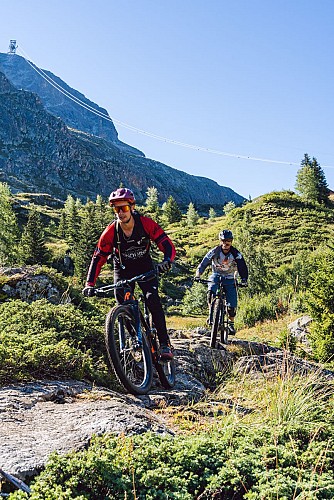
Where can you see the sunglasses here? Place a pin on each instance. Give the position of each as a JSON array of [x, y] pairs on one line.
[[226, 241], [123, 208]]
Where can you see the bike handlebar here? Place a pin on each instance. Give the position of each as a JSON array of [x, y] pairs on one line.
[[105, 290], [205, 282]]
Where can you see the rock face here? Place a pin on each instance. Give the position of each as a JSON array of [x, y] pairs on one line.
[[28, 284], [299, 328], [54, 97], [41, 152]]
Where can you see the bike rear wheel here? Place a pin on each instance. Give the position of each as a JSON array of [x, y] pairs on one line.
[[165, 369], [131, 362], [215, 322]]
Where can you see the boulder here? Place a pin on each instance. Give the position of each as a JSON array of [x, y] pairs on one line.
[[28, 283]]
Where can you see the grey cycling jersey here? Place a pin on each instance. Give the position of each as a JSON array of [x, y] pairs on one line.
[[227, 265]]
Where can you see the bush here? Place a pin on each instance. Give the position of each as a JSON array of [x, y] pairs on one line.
[[320, 304], [195, 300], [257, 308], [246, 462], [43, 340]]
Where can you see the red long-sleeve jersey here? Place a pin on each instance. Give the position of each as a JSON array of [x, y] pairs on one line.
[[131, 254]]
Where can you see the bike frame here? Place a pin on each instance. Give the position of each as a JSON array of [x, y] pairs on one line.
[[220, 317], [143, 326]]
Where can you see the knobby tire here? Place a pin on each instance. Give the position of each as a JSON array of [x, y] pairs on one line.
[[166, 372], [224, 328], [165, 369], [132, 366], [215, 322]]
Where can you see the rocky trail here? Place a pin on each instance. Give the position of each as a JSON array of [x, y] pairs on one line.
[[38, 418]]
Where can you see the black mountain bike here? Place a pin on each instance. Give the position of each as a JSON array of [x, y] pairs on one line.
[[218, 312], [132, 342]]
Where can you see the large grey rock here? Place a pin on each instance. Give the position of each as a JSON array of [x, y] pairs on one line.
[[39, 418], [299, 328], [279, 363], [28, 283]]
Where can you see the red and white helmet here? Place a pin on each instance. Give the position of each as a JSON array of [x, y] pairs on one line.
[[122, 194]]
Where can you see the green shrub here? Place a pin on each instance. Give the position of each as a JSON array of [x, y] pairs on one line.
[[195, 300], [249, 463], [43, 340], [257, 308], [320, 304]]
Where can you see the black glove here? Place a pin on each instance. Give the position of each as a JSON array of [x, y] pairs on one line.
[[164, 267], [88, 291], [244, 283]]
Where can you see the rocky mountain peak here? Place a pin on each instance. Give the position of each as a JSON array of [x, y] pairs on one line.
[[50, 144]]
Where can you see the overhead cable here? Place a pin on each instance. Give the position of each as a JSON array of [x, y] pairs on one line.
[[104, 116]]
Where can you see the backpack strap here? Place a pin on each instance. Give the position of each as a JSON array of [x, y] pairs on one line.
[[118, 243]]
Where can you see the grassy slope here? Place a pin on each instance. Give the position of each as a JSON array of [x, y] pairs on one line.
[[284, 225]]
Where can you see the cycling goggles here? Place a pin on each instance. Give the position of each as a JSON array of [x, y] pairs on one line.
[[123, 208]]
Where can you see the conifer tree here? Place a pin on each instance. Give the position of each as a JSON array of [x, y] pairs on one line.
[[86, 239], [152, 203], [152, 199], [212, 213], [102, 211], [229, 207], [62, 225], [32, 247], [171, 211], [71, 210], [311, 182], [192, 215], [9, 231]]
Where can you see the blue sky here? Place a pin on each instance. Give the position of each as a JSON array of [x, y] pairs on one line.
[[252, 78]]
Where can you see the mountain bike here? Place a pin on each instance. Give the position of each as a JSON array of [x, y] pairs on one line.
[[218, 312], [132, 342]]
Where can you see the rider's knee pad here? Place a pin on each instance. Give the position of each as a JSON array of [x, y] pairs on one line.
[[231, 311]]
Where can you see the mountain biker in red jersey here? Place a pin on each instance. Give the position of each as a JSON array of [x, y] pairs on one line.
[[225, 261], [128, 240]]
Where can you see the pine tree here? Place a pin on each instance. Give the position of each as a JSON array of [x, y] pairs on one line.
[[171, 211], [102, 212], [86, 239], [32, 247], [62, 225], [71, 210], [323, 191], [9, 232], [192, 215], [212, 213], [229, 207], [152, 203], [311, 182]]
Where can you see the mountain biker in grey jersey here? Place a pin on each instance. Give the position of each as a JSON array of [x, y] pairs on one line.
[[226, 261]]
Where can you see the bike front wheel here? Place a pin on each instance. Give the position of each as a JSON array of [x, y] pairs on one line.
[[215, 322], [224, 333], [129, 356]]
